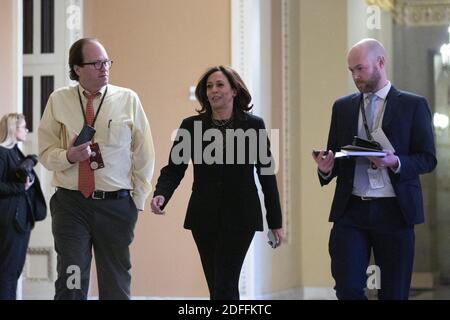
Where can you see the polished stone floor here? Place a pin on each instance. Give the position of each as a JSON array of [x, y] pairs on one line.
[[439, 293]]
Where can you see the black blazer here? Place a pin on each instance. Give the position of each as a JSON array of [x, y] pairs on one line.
[[407, 125], [223, 195], [12, 192]]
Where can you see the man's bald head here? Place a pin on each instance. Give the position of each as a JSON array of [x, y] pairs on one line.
[[366, 61], [370, 47]]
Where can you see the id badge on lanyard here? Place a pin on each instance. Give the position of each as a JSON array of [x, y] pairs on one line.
[[95, 159], [375, 178]]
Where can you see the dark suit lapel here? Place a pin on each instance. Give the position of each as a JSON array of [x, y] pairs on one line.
[[205, 120], [13, 156], [391, 106], [21, 155], [241, 122], [354, 113]]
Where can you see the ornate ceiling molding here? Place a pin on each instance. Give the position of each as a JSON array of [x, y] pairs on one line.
[[286, 116], [386, 5], [422, 12], [416, 12]]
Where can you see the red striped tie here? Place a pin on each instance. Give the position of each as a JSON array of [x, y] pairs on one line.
[[86, 180]]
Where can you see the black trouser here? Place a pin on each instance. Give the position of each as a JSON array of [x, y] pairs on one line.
[[222, 254], [13, 249], [80, 224]]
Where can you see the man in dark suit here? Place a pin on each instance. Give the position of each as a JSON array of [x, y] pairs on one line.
[[378, 200]]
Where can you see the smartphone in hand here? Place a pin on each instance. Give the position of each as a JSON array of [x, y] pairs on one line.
[[86, 134], [272, 241], [316, 153]]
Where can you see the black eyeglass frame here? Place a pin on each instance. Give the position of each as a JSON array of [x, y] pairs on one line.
[[98, 64]]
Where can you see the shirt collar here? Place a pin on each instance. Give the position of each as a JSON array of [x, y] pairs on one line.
[[81, 90], [382, 93]]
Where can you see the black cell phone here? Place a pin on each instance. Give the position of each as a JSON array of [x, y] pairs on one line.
[[316, 153], [86, 134]]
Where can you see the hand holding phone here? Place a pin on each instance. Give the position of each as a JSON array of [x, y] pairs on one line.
[[316, 153], [86, 134], [272, 241]]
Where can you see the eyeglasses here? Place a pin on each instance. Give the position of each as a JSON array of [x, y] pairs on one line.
[[99, 64]]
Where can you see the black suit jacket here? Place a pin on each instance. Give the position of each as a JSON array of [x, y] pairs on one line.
[[12, 192], [223, 195], [407, 125]]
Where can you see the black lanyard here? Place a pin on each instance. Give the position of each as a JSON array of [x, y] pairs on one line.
[[98, 110], [363, 112]]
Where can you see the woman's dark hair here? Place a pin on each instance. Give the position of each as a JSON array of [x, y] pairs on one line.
[[241, 103], [76, 55]]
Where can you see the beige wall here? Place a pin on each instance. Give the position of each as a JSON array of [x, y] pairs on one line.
[[323, 78], [160, 48], [284, 262], [317, 75], [8, 57]]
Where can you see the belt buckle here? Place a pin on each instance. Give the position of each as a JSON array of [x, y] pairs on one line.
[[366, 198], [95, 197]]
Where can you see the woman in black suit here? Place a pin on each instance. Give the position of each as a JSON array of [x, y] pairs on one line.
[[225, 143], [21, 204]]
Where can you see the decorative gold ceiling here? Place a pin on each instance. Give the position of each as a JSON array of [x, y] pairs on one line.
[[416, 12]]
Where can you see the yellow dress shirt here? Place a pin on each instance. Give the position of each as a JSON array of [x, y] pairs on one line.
[[122, 132]]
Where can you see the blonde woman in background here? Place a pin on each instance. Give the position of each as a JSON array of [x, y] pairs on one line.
[[21, 203]]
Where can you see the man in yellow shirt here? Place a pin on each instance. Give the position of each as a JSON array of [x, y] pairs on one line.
[[101, 182]]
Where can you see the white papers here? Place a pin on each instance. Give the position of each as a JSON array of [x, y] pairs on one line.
[[379, 136], [356, 153], [357, 148]]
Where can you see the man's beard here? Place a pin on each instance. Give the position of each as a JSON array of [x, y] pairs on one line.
[[371, 84]]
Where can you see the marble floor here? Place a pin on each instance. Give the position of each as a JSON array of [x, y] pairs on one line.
[[438, 293]]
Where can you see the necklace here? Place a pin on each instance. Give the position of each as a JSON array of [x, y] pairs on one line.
[[223, 126], [221, 123]]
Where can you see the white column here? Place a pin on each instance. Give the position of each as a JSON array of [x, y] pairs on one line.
[[68, 28], [73, 27], [251, 58], [19, 54], [360, 18], [356, 28], [19, 85]]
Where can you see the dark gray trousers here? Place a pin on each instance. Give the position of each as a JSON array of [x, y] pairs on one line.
[[80, 225], [13, 250]]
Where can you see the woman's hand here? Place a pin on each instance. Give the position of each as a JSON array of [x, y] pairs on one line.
[[279, 236], [156, 204], [28, 183]]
